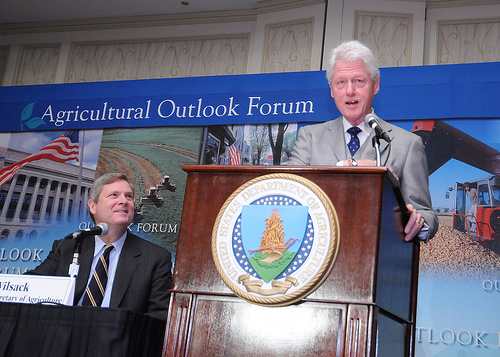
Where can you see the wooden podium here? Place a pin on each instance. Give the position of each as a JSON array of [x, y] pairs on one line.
[[365, 307]]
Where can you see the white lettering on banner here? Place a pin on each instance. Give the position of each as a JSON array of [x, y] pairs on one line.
[[156, 228], [168, 108], [491, 285], [90, 224], [86, 225], [13, 270], [447, 336], [299, 107], [25, 255], [103, 113]]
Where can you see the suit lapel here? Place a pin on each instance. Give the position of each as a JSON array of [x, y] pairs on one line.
[[127, 264], [334, 136]]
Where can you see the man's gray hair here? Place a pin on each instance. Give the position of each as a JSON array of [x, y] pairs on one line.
[[351, 51]]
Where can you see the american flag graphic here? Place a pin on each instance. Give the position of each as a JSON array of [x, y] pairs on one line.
[[64, 148], [235, 152]]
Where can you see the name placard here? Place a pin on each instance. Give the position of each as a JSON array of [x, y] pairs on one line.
[[34, 289]]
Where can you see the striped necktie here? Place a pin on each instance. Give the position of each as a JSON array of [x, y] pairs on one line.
[[95, 290]]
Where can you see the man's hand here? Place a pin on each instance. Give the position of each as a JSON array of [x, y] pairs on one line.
[[368, 163], [361, 162], [414, 225]]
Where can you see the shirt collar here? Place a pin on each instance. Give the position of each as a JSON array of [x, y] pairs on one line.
[[365, 128], [99, 244]]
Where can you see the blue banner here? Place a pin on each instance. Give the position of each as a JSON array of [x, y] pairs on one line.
[[424, 92]]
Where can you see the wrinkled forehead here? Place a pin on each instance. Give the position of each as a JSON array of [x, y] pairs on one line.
[[350, 68]]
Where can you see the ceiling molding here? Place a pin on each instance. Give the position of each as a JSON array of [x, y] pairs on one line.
[[130, 22], [194, 18], [280, 5], [434, 4], [156, 20]]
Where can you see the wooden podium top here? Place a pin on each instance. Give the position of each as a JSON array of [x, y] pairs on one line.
[[295, 169]]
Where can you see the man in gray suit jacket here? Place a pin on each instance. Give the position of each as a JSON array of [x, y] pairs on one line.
[[139, 272], [354, 80]]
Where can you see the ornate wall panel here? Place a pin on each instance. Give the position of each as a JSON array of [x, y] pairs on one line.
[[468, 41], [387, 35], [37, 65], [288, 47], [4, 54], [90, 62]]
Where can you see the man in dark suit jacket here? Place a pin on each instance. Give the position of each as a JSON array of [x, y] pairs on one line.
[[140, 274], [354, 80]]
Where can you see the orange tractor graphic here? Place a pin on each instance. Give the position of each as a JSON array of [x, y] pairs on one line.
[[477, 202]]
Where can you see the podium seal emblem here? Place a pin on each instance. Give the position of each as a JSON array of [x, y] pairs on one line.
[[275, 239]]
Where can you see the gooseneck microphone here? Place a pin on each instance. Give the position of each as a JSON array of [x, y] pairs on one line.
[[99, 230], [372, 121]]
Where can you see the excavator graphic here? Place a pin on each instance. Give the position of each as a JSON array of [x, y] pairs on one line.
[[443, 142]]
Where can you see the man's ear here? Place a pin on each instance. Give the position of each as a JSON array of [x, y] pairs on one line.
[[91, 205], [376, 85]]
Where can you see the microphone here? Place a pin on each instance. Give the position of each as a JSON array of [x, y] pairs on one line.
[[100, 230], [371, 120]]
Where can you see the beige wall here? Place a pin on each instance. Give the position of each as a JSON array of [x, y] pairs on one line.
[[278, 36]]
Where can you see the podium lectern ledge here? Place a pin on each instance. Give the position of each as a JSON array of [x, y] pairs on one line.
[[366, 306]]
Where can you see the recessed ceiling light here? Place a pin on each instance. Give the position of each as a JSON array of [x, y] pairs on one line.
[[185, 3]]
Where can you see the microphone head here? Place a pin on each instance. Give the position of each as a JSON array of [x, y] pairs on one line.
[[370, 119], [373, 123], [104, 227]]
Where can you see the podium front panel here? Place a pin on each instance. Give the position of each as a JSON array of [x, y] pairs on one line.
[[373, 267], [229, 326]]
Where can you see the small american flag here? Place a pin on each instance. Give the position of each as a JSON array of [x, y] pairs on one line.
[[235, 152], [64, 148]]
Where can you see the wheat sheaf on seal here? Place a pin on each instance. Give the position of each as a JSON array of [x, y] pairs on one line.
[[275, 239]]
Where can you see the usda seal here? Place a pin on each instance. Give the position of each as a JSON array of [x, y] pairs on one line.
[[275, 239]]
